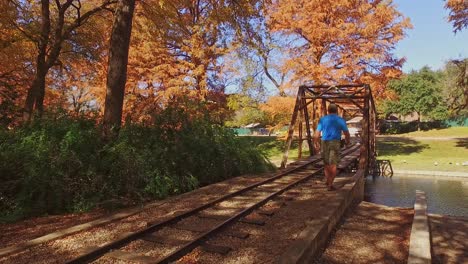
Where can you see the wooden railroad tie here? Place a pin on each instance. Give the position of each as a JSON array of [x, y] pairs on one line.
[[87, 249], [130, 256], [195, 229], [223, 250], [164, 240], [237, 234], [266, 212], [252, 221], [213, 216]]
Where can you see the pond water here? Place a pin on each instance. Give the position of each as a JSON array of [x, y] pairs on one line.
[[447, 196]]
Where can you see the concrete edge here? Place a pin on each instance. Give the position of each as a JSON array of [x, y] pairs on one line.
[[420, 239], [454, 174], [311, 239], [456, 217]]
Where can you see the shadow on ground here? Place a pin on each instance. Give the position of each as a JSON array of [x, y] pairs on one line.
[[449, 237], [462, 143], [399, 146], [371, 234]]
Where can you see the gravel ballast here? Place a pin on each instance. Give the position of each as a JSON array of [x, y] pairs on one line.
[[371, 234]]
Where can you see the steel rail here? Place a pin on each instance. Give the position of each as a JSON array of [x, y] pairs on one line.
[[94, 254], [187, 248]]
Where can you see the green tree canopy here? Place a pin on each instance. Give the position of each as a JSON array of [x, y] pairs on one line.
[[455, 87], [245, 111], [420, 92]]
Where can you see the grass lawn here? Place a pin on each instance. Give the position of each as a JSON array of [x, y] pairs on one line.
[[273, 148], [420, 150], [454, 132], [412, 151], [422, 154]]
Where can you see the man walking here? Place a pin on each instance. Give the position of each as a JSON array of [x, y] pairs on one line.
[[331, 126]]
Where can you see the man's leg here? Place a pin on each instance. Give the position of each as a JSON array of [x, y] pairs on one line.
[[326, 172], [334, 160], [330, 174], [325, 154]]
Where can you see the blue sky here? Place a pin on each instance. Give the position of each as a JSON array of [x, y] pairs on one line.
[[431, 41]]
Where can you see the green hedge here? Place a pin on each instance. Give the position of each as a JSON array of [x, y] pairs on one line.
[[62, 165]]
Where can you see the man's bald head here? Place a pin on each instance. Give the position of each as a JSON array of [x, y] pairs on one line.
[[332, 109]]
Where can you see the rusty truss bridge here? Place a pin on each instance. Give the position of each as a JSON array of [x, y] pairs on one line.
[[353, 100]]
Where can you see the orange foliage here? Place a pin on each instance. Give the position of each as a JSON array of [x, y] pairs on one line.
[[178, 49], [175, 51], [341, 41], [16, 59], [279, 109], [458, 14]]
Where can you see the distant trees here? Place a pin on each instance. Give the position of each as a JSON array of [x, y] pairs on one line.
[[245, 110], [433, 95], [420, 92], [455, 87]]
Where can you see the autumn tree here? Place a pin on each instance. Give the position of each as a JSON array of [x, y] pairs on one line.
[[196, 34], [50, 27], [15, 66], [341, 41], [178, 49], [265, 55], [458, 14], [278, 110]]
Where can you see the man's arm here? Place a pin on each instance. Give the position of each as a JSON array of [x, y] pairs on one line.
[[347, 137], [316, 141], [346, 132]]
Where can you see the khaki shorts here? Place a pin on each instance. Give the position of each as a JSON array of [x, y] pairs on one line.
[[331, 152]]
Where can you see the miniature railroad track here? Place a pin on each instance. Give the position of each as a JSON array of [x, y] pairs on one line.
[[257, 195]]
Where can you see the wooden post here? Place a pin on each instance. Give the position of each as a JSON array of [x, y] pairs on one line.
[[291, 128], [307, 120], [299, 147], [324, 107], [364, 157], [373, 133], [314, 124]]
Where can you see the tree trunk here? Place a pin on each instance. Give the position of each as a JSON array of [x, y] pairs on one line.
[[117, 73], [35, 96], [419, 121]]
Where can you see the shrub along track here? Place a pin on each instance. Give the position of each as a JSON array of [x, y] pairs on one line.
[[240, 206]]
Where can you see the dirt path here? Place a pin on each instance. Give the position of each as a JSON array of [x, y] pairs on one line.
[[371, 234]]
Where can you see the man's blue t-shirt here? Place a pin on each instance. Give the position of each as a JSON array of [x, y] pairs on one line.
[[331, 126]]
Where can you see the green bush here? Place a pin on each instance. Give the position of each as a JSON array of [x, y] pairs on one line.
[[62, 165]]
